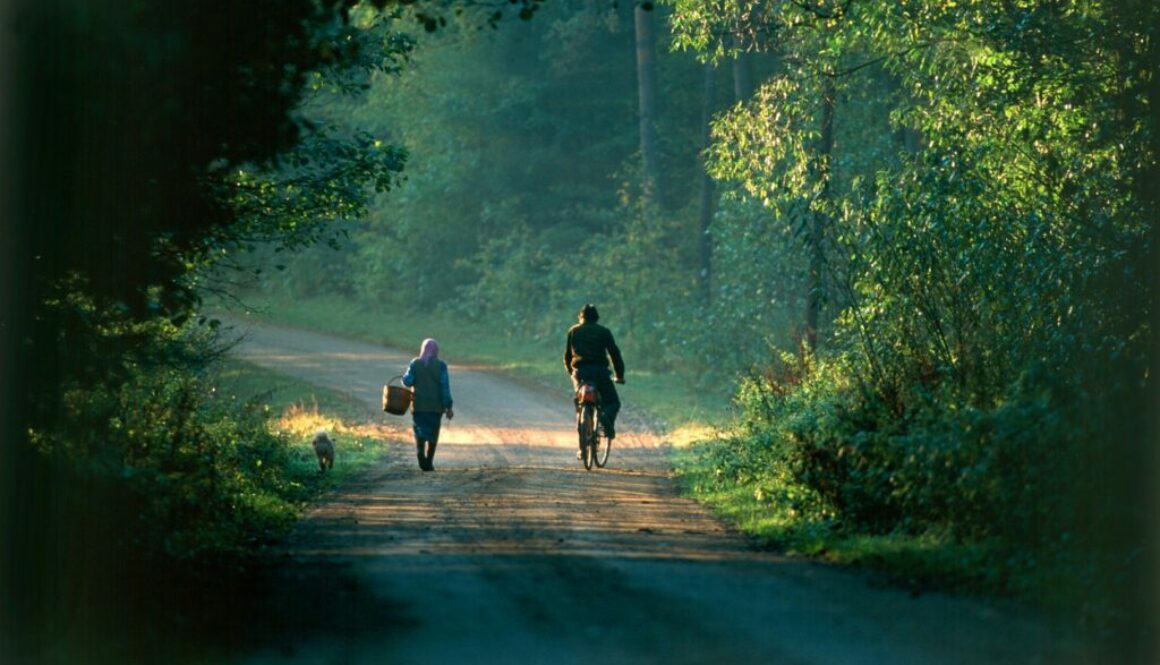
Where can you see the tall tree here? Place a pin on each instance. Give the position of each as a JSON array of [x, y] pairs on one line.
[[707, 195], [742, 67], [646, 78], [823, 164]]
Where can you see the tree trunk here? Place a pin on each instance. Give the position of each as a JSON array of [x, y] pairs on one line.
[[820, 220], [742, 77], [908, 139], [647, 97], [708, 193]]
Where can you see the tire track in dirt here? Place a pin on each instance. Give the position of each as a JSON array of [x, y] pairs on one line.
[[511, 553]]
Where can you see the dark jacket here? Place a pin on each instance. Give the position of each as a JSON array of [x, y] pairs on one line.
[[432, 386], [591, 345]]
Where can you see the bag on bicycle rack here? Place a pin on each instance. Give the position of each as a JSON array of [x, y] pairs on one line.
[[396, 399], [588, 394]]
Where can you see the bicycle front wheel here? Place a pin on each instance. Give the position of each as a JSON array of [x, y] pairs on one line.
[[603, 445]]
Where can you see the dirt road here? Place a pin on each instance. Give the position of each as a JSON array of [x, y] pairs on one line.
[[511, 553]]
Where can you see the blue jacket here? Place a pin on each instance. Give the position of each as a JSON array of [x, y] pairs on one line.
[[423, 379]]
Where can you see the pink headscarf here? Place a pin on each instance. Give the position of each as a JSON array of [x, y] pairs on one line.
[[429, 351]]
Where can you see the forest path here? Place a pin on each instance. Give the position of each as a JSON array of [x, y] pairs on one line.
[[511, 553]]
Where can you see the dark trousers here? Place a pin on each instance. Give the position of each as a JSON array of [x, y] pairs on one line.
[[601, 377], [426, 427]]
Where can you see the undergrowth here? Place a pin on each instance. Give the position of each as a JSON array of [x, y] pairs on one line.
[[949, 496]]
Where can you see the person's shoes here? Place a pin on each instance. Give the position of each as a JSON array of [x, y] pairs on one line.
[[580, 455], [610, 433]]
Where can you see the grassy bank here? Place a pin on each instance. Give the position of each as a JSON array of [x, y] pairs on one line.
[[297, 411], [210, 469], [760, 506]]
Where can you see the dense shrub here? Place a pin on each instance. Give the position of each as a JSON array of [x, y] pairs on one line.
[[156, 462], [1029, 477]]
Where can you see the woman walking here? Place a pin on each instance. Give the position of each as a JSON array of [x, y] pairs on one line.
[[427, 376]]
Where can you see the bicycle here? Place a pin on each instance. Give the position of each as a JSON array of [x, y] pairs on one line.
[[594, 445]]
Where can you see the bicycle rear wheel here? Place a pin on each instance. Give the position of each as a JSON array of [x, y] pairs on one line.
[[588, 435]]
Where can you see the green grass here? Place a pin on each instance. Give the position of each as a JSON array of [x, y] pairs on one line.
[[931, 561], [742, 494], [538, 361], [243, 381], [298, 410]]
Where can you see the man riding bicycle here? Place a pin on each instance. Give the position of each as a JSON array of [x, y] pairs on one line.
[[590, 346]]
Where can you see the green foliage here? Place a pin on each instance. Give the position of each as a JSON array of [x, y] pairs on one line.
[[180, 472], [989, 269], [298, 410], [190, 458], [757, 291], [508, 264], [191, 149], [750, 486], [817, 465], [320, 182]]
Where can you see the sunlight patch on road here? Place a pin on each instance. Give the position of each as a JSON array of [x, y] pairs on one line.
[[516, 512]]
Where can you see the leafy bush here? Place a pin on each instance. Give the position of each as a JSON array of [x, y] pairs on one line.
[[179, 471], [1014, 494]]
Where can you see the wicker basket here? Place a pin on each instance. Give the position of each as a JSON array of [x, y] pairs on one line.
[[396, 399]]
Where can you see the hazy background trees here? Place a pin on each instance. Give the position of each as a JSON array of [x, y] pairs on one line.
[[554, 170]]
